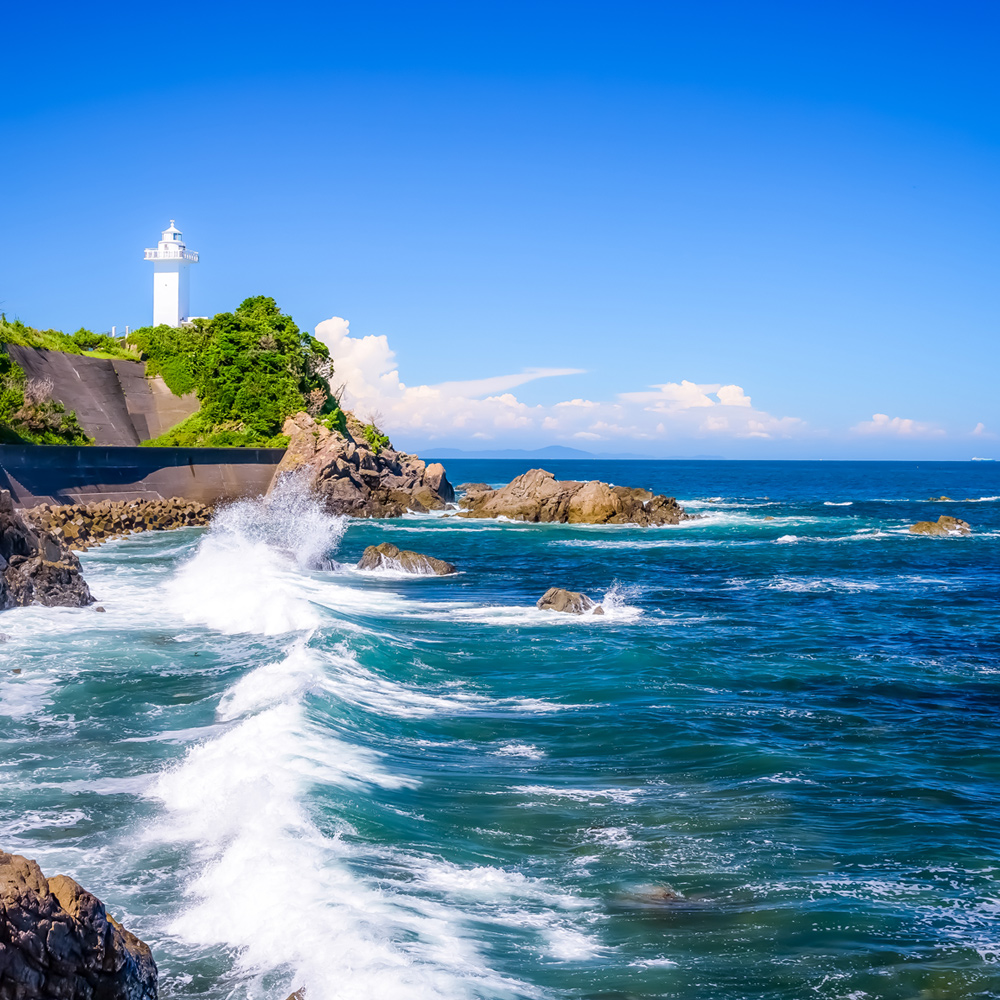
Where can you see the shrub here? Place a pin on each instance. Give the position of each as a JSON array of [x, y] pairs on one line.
[[375, 438]]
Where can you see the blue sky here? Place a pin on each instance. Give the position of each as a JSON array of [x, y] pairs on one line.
[[744, 229]]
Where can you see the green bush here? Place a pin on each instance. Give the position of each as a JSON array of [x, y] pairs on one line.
[[375, 438]]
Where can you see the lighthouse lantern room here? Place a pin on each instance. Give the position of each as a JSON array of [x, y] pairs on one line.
[[171, 278]]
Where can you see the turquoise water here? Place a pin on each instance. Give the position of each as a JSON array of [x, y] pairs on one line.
[[280, 771]]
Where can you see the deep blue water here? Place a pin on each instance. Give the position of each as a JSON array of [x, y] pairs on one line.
[[281, 774]]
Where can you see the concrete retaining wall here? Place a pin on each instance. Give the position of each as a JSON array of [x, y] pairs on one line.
[[114, 401], [37, 474]]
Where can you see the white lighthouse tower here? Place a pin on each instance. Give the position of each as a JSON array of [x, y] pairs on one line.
[[171, 278]]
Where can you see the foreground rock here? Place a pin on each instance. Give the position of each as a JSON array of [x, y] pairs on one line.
[[388, 556], [57, 941], [36, 566], [83, 525], [944, 525], [556, 599], [352, 477], [539, 496]]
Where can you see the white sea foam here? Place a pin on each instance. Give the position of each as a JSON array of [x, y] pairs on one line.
[[845, 503], [247, 572], [592, 796], [787, 539], [810, 584], [25, 695], [356, 684], [512, 748], [239, 802]]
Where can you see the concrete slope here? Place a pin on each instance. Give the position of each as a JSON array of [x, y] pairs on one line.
[[89, 386], [114, 401]]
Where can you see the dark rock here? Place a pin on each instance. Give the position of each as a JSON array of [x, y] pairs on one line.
[[57, 941], [388, 556], [99, 608], [37, 565], [944, 525], [569, 601], [539, 496]]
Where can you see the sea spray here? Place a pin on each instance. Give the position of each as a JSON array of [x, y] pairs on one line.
[[246, 573]]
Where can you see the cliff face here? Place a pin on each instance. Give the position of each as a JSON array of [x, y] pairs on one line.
[[36, 567], [352, 477], [57, 941]]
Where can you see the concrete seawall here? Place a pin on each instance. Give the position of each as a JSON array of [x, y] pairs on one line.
[[60, 474]]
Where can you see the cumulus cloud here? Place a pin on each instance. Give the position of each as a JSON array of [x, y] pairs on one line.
[[486, 409], [883, 425]]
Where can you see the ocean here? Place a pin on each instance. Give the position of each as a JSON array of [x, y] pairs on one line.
[[770, 770]]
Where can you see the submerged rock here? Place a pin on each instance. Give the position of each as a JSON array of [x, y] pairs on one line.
[[36, 566], [944, 525], [353, 478], [539, 496], [569, 601], [388, 556], [57, 941]]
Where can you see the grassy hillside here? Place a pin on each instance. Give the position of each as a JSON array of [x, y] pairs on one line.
[[250, 369], [96, 345]]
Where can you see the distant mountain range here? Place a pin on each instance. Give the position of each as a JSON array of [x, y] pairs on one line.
[[553, 452]]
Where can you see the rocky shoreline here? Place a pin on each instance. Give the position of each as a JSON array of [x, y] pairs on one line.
[[351, 475], [83, 525], [58, 942], [36, 565]]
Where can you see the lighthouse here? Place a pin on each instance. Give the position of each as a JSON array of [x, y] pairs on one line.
[[171, 278]]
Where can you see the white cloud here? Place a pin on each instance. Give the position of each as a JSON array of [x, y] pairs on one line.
[[980, 429], [485, 408], [881, 424]]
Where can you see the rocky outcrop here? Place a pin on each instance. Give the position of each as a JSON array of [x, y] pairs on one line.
[[353, 477], [36, 566], [388, 556], [83, 525], [57, 941], [539, 496], [569, 601], [944, 525]]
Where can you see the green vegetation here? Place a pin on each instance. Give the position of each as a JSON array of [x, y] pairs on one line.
[[375, 438], [29, 414], [251, 369], [97, 345]]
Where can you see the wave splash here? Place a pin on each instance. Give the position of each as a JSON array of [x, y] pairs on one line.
[[246, 574]]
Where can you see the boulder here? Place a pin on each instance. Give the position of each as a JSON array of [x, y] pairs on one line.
[[58, 942], [353, 478], [944, 525], [36, 565], [388, 556], [569, 601], [538, 496]]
